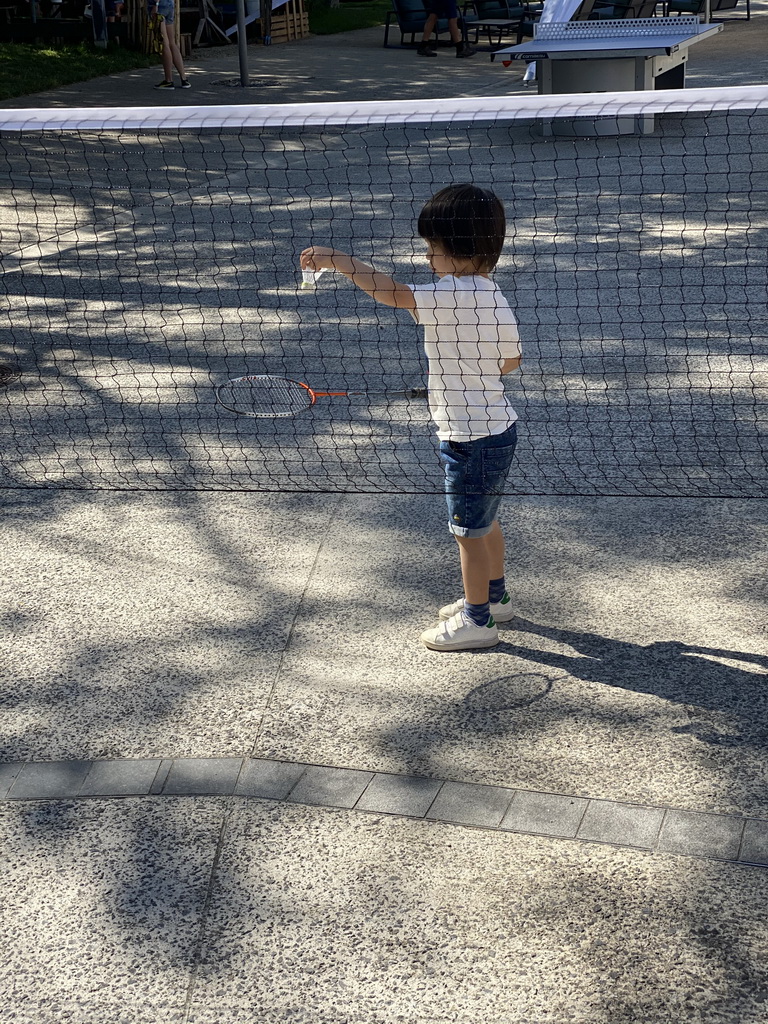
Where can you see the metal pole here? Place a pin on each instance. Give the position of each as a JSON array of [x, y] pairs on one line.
[[242, 43]]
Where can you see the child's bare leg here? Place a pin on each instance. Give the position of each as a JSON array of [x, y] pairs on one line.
[[482, 560], [475, 568], [496, 550]]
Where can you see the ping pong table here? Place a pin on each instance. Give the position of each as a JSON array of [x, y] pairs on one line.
[[611, 56]]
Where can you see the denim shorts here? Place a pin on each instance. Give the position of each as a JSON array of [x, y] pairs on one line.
[[475, 475], [165, 8]]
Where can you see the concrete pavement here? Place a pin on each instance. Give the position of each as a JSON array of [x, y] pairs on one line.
[[236, 790]]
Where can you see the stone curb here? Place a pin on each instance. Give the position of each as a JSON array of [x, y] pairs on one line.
[[665, 830]]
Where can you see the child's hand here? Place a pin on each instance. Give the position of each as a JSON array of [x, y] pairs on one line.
[[320, 258]]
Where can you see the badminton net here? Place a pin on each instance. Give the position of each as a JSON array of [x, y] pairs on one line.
[[150, 255]]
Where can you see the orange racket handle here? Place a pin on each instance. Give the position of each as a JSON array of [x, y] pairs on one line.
[[409, 393]]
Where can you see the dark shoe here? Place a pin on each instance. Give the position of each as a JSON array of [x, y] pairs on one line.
[[185, 84], [465, 50], [425, 50], [165, 85]]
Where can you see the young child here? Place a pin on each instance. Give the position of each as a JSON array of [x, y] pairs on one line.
[[471, 340]]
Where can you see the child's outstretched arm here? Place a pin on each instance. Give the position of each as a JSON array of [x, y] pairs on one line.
[[509, 365], [380, 287]]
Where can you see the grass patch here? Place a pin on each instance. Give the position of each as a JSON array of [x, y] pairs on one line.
[[325, 20], [26, 69]]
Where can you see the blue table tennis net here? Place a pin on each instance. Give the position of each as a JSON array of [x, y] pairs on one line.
[[151, 256]]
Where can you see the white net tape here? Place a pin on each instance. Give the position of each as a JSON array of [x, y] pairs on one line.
[[316, 115]]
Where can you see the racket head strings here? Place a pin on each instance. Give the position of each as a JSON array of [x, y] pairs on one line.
[[265, 395]]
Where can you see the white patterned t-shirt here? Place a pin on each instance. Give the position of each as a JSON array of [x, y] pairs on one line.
[[469, 330]]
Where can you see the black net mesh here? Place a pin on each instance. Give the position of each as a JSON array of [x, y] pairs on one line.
[[141, 269]]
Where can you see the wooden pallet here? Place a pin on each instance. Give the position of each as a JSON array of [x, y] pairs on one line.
[[290, 22]]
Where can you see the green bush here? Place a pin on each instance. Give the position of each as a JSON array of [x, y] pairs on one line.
[[326, 20]]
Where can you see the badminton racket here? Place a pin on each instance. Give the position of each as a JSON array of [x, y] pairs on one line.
[[264, 395]]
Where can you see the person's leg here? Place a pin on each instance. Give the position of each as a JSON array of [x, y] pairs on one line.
[[470, 623], [429, 26], [171, 53], [450, 12], [178, 62], [425, 48], [453, 28], [463, 49], [496, 550], [167, 56], [498, 598], [475, 479], [479, 564]]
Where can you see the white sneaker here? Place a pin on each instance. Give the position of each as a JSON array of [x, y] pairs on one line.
[[501, 611], [459, 633]]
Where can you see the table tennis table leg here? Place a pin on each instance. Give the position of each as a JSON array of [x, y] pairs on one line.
[[614, 74]]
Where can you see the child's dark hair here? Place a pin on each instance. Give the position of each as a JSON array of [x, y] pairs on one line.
[[467, 222]]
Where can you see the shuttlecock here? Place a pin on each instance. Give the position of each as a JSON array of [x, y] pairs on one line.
[[309, 279]]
